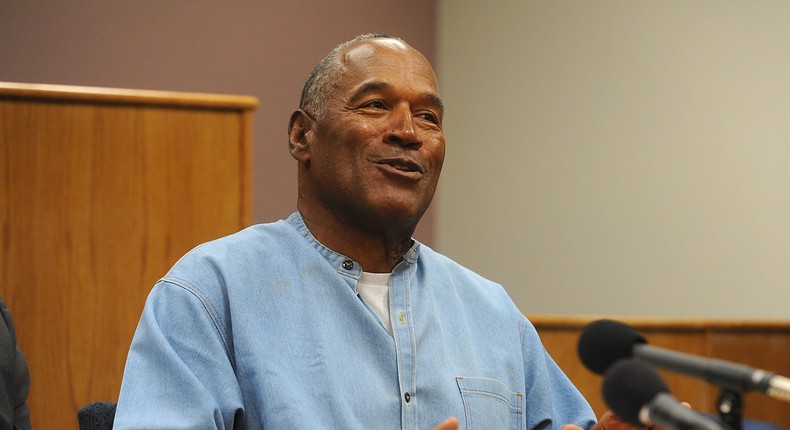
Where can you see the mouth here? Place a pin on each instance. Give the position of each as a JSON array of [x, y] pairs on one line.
[[402, 166]]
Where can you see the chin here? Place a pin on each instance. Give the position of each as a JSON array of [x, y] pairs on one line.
[[398, 207], [407, 211]]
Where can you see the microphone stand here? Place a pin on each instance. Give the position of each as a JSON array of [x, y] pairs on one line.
[[730, 407]]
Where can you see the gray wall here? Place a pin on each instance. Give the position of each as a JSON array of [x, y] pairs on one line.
[[260, 48], [620, 157]]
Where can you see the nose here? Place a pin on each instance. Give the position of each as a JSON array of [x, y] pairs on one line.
[[401, 129]]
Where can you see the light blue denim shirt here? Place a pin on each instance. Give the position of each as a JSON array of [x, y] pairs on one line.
[[263, 329]]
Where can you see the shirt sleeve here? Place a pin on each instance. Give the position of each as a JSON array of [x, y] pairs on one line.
[[552, 399], [179, 372]]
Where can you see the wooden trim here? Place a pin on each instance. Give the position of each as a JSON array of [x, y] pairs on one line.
[[660, 323], [125, 96], [245, 169]]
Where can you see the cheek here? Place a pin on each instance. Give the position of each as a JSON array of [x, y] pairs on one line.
[[437, 155], [365, 129], [340, 158]]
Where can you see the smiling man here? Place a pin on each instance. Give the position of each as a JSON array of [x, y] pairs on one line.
[[370, 154], [336, 318]]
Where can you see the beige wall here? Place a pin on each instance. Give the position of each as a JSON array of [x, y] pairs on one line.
[[616, 157], [635, 150], [260, 48]]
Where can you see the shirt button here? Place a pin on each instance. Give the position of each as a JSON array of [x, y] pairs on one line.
[[348, 264], [407, 397]]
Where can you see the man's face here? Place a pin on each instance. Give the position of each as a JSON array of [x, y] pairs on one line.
[[379, 149]]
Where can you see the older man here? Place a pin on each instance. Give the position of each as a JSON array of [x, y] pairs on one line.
[[336, 318]]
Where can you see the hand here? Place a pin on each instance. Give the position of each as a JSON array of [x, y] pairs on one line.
[[608, 421], [448, 424]]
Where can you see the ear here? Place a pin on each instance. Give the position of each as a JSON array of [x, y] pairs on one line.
[[300, 129]]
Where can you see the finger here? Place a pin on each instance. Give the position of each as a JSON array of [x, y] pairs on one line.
[[448, 424]]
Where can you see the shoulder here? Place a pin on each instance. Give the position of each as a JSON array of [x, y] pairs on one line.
[[6, 314], [254, 243], [255, 238], [462, 280], [434, 261], [8, 325], [235, 263]]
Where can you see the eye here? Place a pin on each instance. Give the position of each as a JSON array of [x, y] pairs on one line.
[[428, 116], [375, 104]]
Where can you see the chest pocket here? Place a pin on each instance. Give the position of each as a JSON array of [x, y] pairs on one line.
[[489, 404]]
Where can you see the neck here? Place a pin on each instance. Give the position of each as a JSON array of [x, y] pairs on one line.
[[378, 247]]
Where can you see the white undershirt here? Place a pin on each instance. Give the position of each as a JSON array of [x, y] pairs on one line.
[[373, 288]]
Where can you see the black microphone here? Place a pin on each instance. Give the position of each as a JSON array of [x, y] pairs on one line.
[[603, 342], [637, 394]]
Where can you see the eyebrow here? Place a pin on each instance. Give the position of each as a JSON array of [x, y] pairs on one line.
[[376, 86]]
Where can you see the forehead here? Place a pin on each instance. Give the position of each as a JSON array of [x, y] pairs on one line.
[[386, 60]]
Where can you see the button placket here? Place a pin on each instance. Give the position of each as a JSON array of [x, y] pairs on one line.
[[404, 344]]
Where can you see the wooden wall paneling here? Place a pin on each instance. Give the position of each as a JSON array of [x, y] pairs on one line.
[[759, 344], [103, 190], [767, 348], [691, 340], [561, 336]]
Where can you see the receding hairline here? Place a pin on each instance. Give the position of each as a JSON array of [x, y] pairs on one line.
[[321, 82], [343, 61]]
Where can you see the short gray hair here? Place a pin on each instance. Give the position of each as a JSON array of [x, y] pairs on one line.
[[322, 80]]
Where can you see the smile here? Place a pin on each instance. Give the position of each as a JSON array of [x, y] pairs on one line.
[[402, 166]]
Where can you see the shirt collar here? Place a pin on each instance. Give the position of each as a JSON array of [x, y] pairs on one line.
[[344, 264]]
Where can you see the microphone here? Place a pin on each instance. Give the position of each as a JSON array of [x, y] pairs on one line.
[[603, 342], [637, 394]]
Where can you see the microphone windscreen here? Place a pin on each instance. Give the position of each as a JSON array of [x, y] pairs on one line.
[[603, 342], [628, 385]]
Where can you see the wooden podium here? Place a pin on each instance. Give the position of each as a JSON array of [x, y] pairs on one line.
[[102, 191]]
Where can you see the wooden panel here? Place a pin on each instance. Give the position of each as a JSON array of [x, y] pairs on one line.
[[759, 344], [100, 196], [763, 349], [562, 345]]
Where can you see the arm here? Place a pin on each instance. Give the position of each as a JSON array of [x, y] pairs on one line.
[[552, 399], [179, 372]]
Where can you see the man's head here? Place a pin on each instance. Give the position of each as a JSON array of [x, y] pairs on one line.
[[368, 136], [319, 85]]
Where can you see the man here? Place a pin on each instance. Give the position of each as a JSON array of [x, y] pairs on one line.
[[336, 318]]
